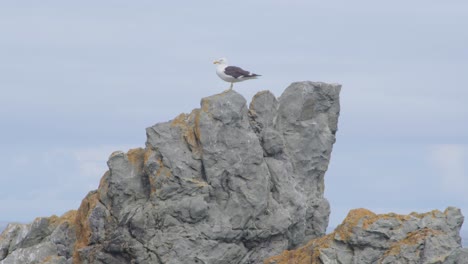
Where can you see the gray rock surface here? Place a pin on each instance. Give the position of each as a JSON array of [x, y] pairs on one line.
[[365, 237], [223, 184], [45, 240], [231, 184], [459, 256]]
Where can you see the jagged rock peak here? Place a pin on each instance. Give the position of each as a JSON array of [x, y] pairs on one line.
[[365, 237], [223, 184]]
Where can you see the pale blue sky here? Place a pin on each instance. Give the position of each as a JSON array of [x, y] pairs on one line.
[[80, 80]]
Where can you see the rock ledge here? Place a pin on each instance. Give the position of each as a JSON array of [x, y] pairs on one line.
[[365, 237]]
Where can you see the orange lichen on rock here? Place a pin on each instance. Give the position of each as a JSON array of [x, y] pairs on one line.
[[196, 129], [354, 217], [68, 217], [362, 219], [432, 213], [413, 238], [189, 131], [162, 170], [310, 253], [205, 104], [83, 230], [136, 157], [50, 259], [304, 255], [147, 155]]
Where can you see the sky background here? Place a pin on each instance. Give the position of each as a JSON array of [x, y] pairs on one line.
[[82, 79]]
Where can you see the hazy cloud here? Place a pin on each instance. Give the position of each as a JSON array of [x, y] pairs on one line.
[[82, 79], [450, 162], [42, 182]]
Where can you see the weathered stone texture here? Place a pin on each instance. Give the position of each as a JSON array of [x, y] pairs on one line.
[[223, 184], [365, 237], [231, 184], [45, 240]]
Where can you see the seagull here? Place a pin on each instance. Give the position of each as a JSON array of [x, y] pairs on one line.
[[232, 74]]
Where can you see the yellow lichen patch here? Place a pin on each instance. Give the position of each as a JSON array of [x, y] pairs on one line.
[[68, 217], [152, 184], [307, 254], [83, 230], [180, 121], [370, 220], [162, 170], [367, 218], [205, 105], [188, 131], [160, 166], [412, 238], [136, 157], [310, 253], [345, 229], [432, 213], [319, 244], [148, 154], [49, 259], [191, 139], [196, 129]]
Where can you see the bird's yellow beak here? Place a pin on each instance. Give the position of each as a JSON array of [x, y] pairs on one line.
[[215, 62]]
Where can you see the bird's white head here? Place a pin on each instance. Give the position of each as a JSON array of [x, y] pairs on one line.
[[222, 61]]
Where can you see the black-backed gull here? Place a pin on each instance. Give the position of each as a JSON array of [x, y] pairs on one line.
[[232, 74]]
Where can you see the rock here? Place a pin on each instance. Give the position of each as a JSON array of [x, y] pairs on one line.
[[223, 184], [458, 256], [44, 241], [231, 184], [365, 237]]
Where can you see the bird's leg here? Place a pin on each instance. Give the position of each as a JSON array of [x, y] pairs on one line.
[[230, 88]]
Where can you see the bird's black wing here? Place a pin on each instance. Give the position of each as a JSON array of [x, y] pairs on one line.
[[236, 72]]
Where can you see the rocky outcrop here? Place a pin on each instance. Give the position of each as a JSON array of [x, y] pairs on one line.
[[232, 184], [365, 237], [223, 184], [48, 240]]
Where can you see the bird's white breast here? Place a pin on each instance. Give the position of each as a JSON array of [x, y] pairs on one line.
[[220, 72]]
